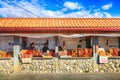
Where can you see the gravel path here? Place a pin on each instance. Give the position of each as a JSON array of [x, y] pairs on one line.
[[85, 76]]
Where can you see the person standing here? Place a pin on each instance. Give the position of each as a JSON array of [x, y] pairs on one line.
[[24, 43]]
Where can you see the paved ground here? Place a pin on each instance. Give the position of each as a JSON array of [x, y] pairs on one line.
[[85, 76]]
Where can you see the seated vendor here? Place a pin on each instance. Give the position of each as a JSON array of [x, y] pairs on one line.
[[45, 48], [79, 44], [61, 52], [32, 46]]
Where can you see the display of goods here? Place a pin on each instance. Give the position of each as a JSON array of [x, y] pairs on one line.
[[115, 52], [102, 53], [86, 54], [29, 52], [37, 53], [34, 53], [73, 53], [62, 53], [80, 51], [108, 54], [111, 51], [52, 53], [4, 54], [90, 52], [69, 53], [47, 57], [23, 51], [25, 54]]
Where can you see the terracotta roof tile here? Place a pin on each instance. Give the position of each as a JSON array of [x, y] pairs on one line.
[[61, 23]]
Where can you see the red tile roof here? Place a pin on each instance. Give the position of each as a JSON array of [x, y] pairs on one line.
[[54, 25]]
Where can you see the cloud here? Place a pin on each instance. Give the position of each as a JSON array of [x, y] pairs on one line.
[[107, 15], [72, 5], [35, 10], [88, 14], [107, 6]]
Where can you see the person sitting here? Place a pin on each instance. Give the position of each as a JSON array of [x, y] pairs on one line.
[[32, 46], [79, 44], [45, 48], [61, 52]]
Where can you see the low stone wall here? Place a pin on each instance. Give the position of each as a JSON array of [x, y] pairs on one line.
[[76, 65], [39, 66], [6, 66], [54, 65], [113, 65]]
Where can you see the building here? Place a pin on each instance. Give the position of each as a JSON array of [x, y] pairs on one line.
[[103, 32]]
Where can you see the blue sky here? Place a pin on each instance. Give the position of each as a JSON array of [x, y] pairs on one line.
[[60, 8]]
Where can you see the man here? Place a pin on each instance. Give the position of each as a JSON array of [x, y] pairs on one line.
[[24, 43], [45, 48]]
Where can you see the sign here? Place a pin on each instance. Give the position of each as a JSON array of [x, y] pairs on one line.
[[26, 60], [103, 59]]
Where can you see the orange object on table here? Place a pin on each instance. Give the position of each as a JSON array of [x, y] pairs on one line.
[[115, 52], [102, 53]]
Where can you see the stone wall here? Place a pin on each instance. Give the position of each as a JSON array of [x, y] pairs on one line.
[[73, 65], [76, 65], [39, 66], [7, 66], [113, 65]]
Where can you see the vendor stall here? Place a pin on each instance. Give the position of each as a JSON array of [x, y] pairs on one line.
[[73, 45]]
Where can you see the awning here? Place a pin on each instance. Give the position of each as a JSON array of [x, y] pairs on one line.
[[61, 35]]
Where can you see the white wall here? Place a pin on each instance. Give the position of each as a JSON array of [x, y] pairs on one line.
[[4, 41], [71, 43], [41, 41], [112, 42]]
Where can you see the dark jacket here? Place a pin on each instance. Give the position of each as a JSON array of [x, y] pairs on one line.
[[44, 49], [24, 45]]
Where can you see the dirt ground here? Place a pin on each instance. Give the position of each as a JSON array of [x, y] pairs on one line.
[[85, 76]]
